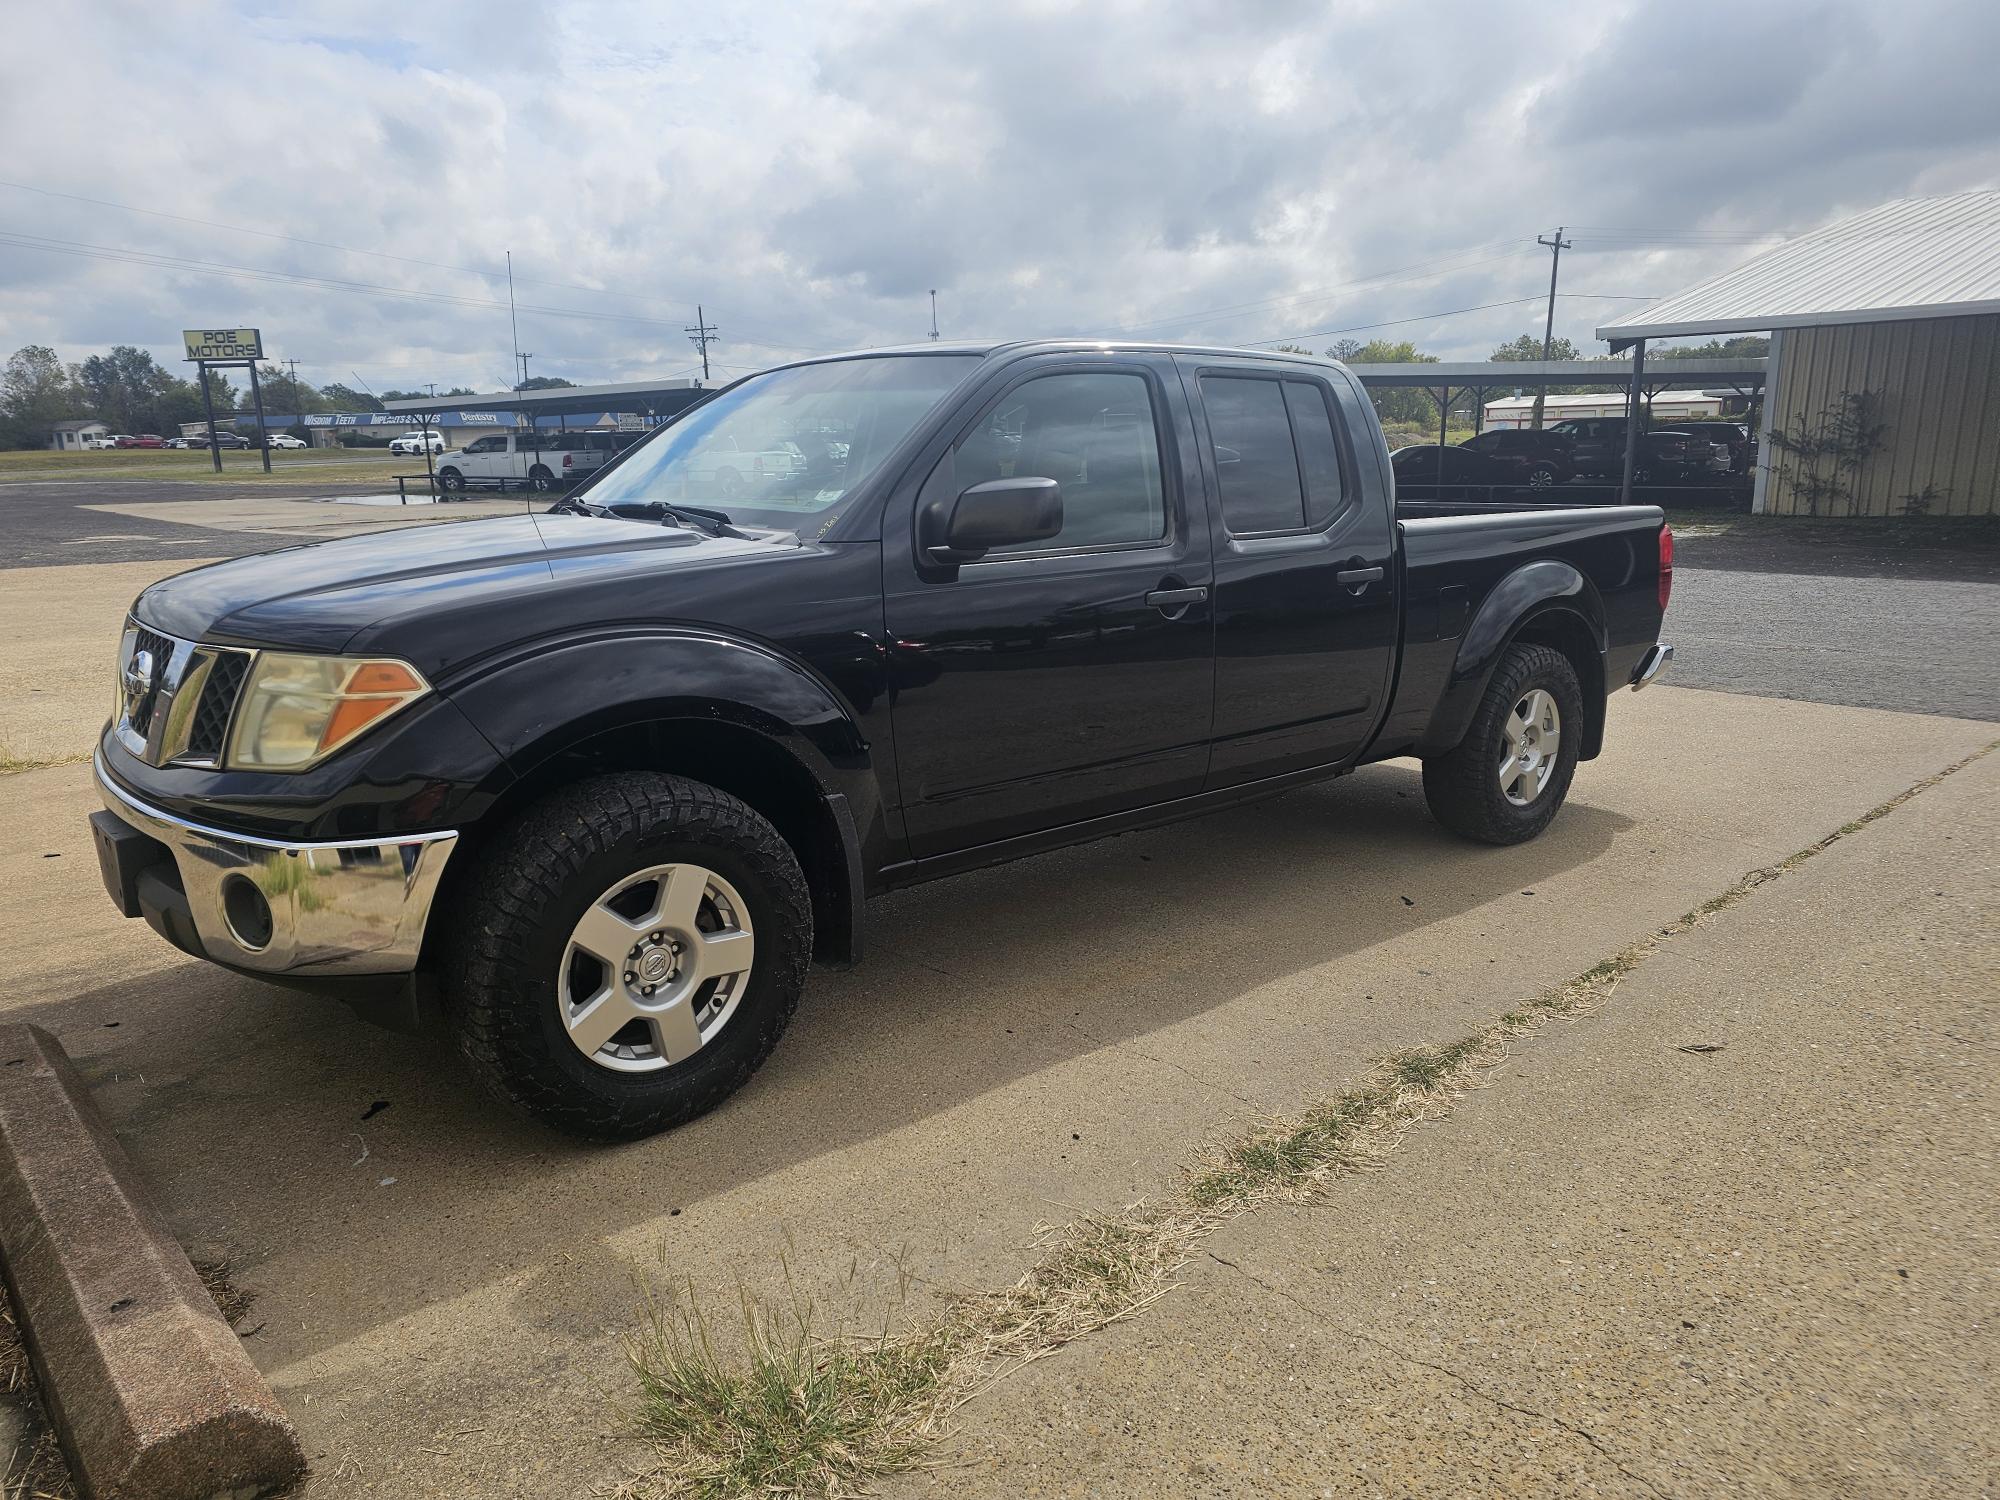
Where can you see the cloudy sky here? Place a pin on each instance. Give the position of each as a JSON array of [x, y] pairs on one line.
[[350, 178]]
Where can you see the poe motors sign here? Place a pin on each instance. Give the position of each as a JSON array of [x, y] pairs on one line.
[[215, 344]]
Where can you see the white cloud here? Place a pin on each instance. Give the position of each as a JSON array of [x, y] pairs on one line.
[[1206, 170]]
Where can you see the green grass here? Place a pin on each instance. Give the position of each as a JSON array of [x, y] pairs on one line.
[[239, 467]]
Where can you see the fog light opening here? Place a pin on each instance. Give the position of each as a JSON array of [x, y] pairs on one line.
[[247, 912]]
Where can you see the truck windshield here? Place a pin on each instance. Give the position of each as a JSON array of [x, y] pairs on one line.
[[789, 444]]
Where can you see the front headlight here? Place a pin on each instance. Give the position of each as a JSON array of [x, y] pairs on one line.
[[297, 710]]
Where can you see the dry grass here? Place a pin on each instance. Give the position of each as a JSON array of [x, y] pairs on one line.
[[10, 763], [806, 1414]]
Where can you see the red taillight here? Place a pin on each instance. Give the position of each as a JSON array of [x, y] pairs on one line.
[[757, 464], [568, 459], [1666, 565]]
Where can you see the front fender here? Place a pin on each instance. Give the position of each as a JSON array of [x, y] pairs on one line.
[[1543, 587], [537, 704]]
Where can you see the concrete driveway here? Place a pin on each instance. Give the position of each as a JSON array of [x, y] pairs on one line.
[[443, 1288]]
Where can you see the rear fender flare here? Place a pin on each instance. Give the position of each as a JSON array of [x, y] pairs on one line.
[[1545, 587]]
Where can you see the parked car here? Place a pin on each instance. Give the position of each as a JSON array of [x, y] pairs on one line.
[[186, 442], [142, 440], [1542, 458], [228, 438], [418, 442], [1733, 438], [544, 462], [286, 440], [1454, 471], [1665, 455], [615, 773]]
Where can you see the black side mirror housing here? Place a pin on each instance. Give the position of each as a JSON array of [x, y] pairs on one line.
[[998, 513]]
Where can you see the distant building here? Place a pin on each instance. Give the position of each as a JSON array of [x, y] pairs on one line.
[[1666, 406], [74, 437], [1900, 305]]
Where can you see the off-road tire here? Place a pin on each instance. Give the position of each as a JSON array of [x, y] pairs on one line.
[[510, 929], [1463, 785]]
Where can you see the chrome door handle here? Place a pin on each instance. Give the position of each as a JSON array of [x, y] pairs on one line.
[[1357, 577], [1178, 598]]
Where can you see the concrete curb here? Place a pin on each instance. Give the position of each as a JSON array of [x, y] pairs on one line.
[[149, 1390]]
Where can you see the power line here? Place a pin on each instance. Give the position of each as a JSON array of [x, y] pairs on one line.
[[1451, 313], [1442, 265]]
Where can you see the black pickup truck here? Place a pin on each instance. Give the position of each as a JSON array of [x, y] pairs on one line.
[[609, 776]]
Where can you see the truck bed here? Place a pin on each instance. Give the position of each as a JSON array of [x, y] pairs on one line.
[[1455, 554]]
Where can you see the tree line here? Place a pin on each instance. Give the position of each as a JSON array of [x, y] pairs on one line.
[[130, 391]]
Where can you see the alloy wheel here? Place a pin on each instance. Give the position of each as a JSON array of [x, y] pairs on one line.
[[655, 967], [1531, 736]]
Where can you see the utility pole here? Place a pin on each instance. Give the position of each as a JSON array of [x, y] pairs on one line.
[[701, 336], [523, 356], [934, 330], [1556, 248], [513, 323], [292, 372]]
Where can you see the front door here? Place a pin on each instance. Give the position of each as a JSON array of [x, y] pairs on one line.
[[1069, 678], [1305, 568]]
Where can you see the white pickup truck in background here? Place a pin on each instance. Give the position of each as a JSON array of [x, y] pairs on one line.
[[543, 462]]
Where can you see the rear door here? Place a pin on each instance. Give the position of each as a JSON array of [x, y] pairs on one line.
[[1305, 585], [1067, 679]]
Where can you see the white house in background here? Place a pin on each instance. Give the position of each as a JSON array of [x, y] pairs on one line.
[[74, 437], [1666, 406]]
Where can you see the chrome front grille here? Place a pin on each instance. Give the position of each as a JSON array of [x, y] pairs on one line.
[[176, 698]]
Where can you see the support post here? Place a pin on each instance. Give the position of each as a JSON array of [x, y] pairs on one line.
[[208, 409], [257, 400], [1634, 394], [430, 472]]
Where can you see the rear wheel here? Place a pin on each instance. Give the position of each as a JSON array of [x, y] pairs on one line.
[[541, 480], [629, 954], [1541, 476], [1509, 775]]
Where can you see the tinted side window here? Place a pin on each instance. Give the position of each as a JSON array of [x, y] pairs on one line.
[[1092, 433], [1319, 454], [1254, 459]]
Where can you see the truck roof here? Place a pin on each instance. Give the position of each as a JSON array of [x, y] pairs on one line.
[[1060, 345]]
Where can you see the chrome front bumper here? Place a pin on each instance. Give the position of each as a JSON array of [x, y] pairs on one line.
[[1656, 657], [352, 907]]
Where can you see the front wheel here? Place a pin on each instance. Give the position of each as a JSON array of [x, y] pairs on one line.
[[1509, 775], [452, 481], [1541, 477], [629, 953]]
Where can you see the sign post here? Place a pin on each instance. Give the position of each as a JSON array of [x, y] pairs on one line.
[[227, 346]]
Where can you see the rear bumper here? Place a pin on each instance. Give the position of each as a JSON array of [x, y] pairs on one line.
[[267, 906], [1651, 664]]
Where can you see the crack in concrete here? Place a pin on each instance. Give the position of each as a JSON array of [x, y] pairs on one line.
[[1185, 1072], [1361, 1336]]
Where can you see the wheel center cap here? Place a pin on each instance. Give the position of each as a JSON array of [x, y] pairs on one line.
[[655, 964]]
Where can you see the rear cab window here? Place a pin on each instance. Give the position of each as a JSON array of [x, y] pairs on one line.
[[1277, 455]]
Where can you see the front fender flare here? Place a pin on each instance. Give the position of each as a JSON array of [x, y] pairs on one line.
[[1543, 587]]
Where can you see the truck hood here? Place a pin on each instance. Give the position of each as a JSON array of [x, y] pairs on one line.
[[434, 594]]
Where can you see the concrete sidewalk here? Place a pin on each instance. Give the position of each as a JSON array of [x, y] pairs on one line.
[[1624, 1268]]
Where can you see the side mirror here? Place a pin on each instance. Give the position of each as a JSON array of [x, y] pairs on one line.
[[998, 513]]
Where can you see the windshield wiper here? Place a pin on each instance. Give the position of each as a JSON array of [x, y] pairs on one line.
[[693, 517]]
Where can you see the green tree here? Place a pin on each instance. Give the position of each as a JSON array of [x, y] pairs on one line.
[[285, 395], [1529, 347], [1407, 406], [37, 390], [128, 389], [345, 398], [546, 383], [1743, 346]]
